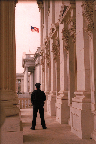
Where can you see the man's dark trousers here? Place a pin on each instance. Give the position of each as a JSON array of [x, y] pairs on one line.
[[41, 111]]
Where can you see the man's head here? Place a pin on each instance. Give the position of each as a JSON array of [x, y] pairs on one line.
[[37, 85]]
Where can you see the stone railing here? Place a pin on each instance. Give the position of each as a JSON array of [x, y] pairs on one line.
[[24, 101]]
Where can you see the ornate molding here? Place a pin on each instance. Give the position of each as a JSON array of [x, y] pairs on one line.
[[87, 7], [65, 37], [46, 42], [56, 48], [53, 30], [47, 47], [63, 12], [72, 27], [40, 4]]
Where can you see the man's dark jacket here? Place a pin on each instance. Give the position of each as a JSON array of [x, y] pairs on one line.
[[38, 97]]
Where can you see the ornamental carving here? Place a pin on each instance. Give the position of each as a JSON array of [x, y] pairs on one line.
[[65, 37], [64, 10], [46, 42], [40, 4], [53, 30], [47, 48], [56, 48], [42, 59], [48, 57], [72, 27], [87, 7]]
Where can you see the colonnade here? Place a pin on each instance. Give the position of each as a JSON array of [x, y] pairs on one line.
[[68, 63]]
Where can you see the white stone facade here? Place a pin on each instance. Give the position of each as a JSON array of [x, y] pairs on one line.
[[32, 70], [68, 70], [68, 63]]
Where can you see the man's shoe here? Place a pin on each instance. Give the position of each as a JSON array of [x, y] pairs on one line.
[[32, 128], [45, 127]]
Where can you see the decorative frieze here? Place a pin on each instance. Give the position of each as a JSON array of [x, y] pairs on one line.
[[87, 7], [56, 48], [65, 37]]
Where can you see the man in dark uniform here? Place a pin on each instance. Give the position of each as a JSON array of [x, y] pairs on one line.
[[37, 99]]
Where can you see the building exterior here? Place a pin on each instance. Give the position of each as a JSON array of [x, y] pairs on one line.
[[20, 83], [32, 68], [68, 70], [68, 63]]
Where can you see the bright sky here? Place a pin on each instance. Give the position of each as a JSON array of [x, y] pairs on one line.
[[26, 15]]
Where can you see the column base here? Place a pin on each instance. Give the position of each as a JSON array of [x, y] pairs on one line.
[[81, 118], [9, 101], [93, 135], [51, 108], [62, 109], [11, 131]]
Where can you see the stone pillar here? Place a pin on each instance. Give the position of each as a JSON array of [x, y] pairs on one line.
[[71, 71], [62, 109], [82, 119], [93, 70], [52, 96], [46, 84], [31, 81], [26, 80], [10, 128]]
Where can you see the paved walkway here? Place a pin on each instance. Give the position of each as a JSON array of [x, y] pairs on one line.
[[54, 134]]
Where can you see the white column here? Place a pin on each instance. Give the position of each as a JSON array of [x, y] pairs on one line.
[[51, 108], [22, 85], [53, 71], [46, 84], [62, 112], [31, 81], [81, 104], [46, 76], [26, 80]]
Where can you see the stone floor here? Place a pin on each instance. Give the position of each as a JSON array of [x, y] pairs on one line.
[[54, 134]]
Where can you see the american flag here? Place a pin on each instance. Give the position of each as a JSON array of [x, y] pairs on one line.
[[34, 29]]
